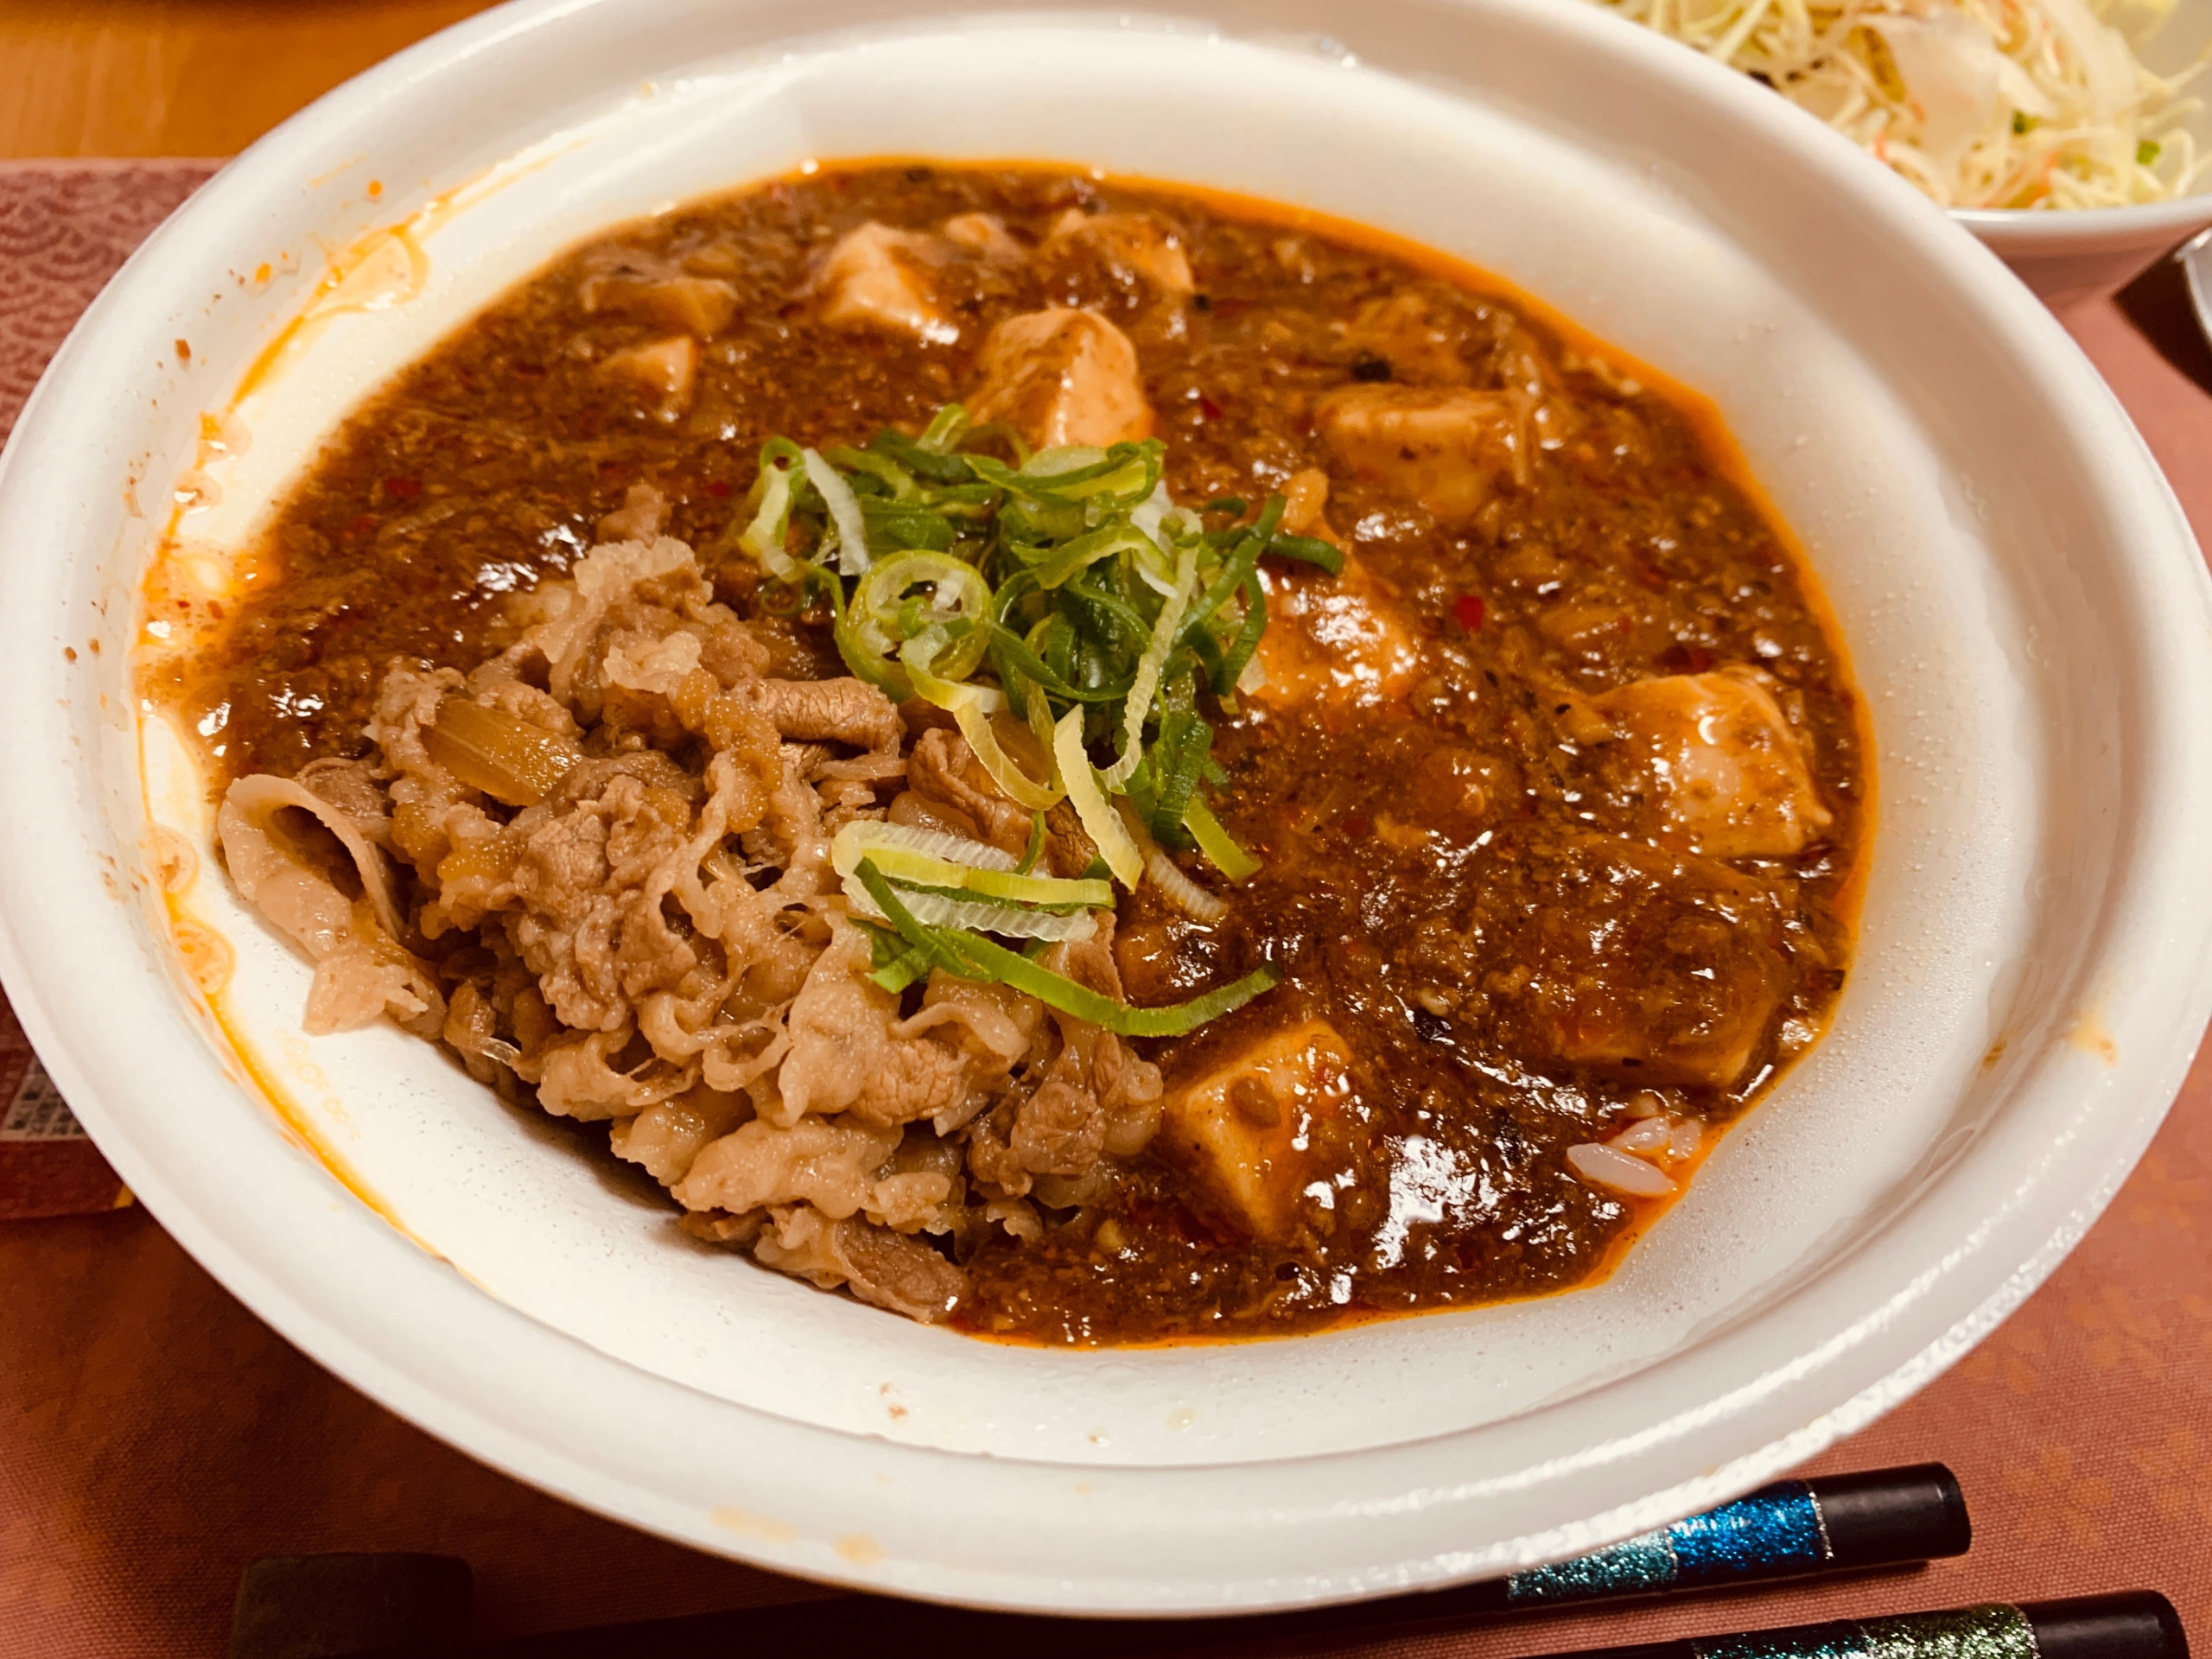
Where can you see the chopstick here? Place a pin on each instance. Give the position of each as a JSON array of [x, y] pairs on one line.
[[1825, 1526]]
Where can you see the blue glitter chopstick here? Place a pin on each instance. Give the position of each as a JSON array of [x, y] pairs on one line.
[[1839, 1523], [1831, 1524]]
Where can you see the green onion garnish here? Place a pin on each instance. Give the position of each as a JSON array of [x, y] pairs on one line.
[[1077, 625], [909, 949]]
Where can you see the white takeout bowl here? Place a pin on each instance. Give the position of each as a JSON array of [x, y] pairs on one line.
[[2026, 611], [2071, 257]]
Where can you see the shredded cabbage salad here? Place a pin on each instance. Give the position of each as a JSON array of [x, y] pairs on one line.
[[2018, 104], [1078, 626]]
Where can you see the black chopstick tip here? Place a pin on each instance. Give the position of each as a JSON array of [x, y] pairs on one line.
[[1888, 1518], [2136, 1625]]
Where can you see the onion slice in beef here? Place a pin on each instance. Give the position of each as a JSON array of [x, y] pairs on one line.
[[506, 757]]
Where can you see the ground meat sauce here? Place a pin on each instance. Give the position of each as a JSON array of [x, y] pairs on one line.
[[1512, 923]]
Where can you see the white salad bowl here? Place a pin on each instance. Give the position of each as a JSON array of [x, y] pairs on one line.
[[2071, 258], [2026, 612]]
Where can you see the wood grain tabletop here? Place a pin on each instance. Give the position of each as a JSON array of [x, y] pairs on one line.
[[186, 77]]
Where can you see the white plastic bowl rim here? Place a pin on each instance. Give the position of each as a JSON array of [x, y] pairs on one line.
[[2140, 221], [2067, 256], [96, 994]]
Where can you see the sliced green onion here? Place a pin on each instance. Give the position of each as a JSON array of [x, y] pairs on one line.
[[1057, 991], [864, 837], [1035, 850], [971, 707], [764, 537], [942, 435], [1306, 551], [1025, 888], [861, 657], [1216, 843], [1094, 610], [1132, 481], [1127, 472], [973, 892], [912, 866], [1040, 727], [1233, 573], [890, 524], [881, 467], [1087, 551], [949, 909], [1186, 748], [896, 964], [1120, 616], [1229, 677], [1181, 891], [1270, 519], [1065, 462], [948, 470], [844, 512], [1100, 821], [1148, 669], [937, 947], [1152, 515], [957, 592], [972, 956]]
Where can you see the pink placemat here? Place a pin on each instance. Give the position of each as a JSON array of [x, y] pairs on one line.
[[155, 1436]]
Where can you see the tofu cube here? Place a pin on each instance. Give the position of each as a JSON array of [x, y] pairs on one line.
[[1244, 1129]]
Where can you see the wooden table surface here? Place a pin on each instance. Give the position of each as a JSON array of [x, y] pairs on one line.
[[185, 77]]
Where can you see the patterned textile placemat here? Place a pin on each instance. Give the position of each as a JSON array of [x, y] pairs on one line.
[[158, 1436]]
